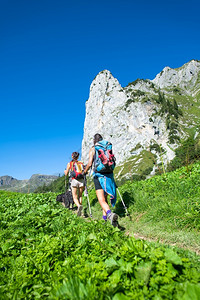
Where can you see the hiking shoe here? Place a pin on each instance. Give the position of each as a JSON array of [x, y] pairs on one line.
[[79, 210], [113, 219]]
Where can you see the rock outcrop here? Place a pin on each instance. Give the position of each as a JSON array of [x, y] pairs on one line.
[[135, 117]]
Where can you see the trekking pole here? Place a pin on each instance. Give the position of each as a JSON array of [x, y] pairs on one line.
[[86, 193], [123, 202], [65, 184]]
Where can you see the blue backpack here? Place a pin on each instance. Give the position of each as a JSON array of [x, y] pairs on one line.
[[104, 159]]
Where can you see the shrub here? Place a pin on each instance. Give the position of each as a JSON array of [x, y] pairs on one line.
[[187, 153]]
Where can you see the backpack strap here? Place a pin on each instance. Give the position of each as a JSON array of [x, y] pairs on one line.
[[94, 158], [79, 163], [71, 165]]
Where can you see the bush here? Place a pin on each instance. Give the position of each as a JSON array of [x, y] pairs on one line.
[[187, 153], [157, 148]]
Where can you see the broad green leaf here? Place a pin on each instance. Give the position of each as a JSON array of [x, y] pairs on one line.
[[110, 262], [172, 257], [192, 292], [120, 296], [142, 272], [92, 236], [115, 277]]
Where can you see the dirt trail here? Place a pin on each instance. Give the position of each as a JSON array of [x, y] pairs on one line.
[[139, 236]]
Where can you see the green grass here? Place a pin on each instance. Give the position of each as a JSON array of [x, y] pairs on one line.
[[136, 167], [165, 207], [47, 252]]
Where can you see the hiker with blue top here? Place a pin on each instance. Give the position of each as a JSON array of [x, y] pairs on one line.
[[103, 161]]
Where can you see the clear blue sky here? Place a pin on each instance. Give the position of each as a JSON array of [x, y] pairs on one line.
[[51, 50]]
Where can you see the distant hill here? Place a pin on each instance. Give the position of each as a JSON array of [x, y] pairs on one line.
[[56, 186], [9, 183]]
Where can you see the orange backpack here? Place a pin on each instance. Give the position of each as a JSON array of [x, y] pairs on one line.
[[76, 168]]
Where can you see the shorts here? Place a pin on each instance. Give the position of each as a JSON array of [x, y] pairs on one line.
[[77, 183], [97, 184]]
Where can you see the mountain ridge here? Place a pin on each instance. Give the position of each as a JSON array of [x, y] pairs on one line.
[[10, 183]]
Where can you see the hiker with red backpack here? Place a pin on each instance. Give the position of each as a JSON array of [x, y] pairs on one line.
[[103, 160], [75, 168]]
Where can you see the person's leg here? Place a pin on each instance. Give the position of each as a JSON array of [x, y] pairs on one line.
[[75, 196], [107, 214], [104, 213], [81, 189], [80, 192], [102, 201], [102, 198]]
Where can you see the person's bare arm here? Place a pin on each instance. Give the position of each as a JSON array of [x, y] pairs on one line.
[[68, 168], [91, 158]]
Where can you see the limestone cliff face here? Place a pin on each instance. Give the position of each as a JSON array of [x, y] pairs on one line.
[[129, 117], [185, 77]]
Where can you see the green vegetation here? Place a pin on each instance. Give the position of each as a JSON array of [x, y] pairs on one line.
[[164, 207], [172, 112], [135, 168], [47, 252], [187, 153], [128, 102], [172, 195], [151, 84], [134, 82], [177, 90], [138, 146], [138, 93], [156, 148]]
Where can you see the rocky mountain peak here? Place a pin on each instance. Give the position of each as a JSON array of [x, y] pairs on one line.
[[184, 77], [103, 83]]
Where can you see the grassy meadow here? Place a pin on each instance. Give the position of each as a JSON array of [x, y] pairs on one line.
[[47, 252]]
